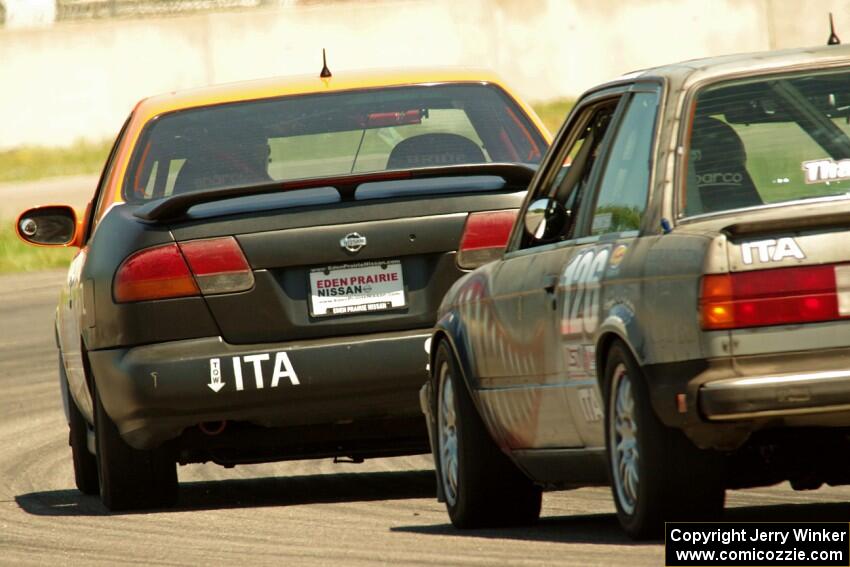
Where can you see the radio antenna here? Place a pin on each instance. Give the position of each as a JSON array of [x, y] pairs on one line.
[[326, 73], [833, 39]]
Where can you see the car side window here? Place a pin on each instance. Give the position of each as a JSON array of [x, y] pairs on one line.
[[622, 193], [577, 161]]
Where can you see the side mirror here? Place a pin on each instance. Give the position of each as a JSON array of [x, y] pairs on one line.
[[55, 225], [545, 219]]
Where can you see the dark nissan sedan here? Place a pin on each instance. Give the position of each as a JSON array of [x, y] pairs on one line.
[[261, 264]]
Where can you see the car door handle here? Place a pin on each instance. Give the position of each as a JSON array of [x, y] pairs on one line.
[[550, 283]]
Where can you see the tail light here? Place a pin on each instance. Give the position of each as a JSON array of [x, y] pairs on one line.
[[210, 266], [484, 237], [775, 297], [155, 273], [219, 265]]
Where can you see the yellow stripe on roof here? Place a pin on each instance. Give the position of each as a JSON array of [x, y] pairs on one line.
[[307, 84], [293, 85]]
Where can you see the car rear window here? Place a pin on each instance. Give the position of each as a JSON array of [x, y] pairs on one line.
[[323, 135], [774, 139]]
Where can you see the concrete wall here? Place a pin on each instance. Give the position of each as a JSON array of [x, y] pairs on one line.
[[80, 80]]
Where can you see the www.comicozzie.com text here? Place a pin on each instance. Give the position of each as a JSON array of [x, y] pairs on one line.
[[726, 536]]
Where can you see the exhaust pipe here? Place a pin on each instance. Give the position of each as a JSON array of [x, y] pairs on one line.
[[212, 428]]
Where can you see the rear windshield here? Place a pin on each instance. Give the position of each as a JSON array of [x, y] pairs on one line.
[[775, 139], [257, 142]]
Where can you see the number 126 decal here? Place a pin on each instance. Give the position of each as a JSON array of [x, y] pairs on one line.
[[580, 282]]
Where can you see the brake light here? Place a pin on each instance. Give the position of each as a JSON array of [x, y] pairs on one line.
[[484, 237], [386, 119], [155, 273], [214, 265], [775, 297]]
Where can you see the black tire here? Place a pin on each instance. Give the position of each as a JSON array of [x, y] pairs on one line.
[[85, 464], [488, 489], [673, 479], [131, 479]]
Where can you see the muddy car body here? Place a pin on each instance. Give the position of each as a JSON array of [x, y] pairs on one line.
[[261, 266], [670, 313]]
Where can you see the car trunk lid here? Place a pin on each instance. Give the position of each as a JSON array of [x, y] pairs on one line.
[[310, 261]]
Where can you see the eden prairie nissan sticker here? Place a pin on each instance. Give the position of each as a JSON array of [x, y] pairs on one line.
[[356, 288]]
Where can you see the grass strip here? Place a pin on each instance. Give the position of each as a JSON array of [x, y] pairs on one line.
[[28, 163], [553, 112], [15, 256]]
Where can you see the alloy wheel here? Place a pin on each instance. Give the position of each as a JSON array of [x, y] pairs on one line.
[[623, 430], [447, 425]]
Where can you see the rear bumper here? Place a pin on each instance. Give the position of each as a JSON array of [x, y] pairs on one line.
[[719, 403], [777, 395], [154, 392]]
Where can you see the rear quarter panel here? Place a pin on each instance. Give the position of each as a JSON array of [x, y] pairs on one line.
[[118, 235], [70, 317], [669, 327]]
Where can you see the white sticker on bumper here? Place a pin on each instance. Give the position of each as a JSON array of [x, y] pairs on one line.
[[253, 363]]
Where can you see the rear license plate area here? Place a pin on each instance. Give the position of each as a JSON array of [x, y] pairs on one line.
[[351, 289]]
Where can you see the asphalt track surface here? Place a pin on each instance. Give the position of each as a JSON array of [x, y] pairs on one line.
[[301, 513]]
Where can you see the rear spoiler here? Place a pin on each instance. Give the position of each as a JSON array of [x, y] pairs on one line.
[[835, 219], [176, 206]]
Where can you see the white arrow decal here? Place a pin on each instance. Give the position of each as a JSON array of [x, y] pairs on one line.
[[215, 375]]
